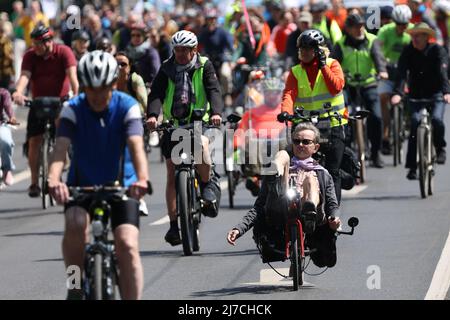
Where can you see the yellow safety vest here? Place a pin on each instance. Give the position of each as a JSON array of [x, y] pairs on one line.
[[313, 100]]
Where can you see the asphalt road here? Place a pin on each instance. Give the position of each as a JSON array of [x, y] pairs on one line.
[[393, 254]]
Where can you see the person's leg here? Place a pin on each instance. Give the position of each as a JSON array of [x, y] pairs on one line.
[[281, 163], [374, 124], [6, 153], [411, 154], [437, 119], [384, 101], [334, 153], [76, 235], [34, 145], [311, 190], [131, 280]]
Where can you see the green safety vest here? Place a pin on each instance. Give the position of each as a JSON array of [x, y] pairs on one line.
[[330, 31], [359, 61], [201, 101], [313, 100]]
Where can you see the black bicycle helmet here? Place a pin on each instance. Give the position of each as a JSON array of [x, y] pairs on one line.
[[310, 39], [353, 20], [80, 35], [41, 32]]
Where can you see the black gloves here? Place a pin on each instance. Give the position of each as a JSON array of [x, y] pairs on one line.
[[321, 57]]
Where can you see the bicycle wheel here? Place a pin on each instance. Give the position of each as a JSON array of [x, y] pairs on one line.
[[361, 147], [396, 135], [231, 188], [423, 151], [431, 169], [97, 278], [294, 250], [109, 291], [184, 211], [44, 171]]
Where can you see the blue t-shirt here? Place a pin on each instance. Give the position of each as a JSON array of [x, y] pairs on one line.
[[99, 139]]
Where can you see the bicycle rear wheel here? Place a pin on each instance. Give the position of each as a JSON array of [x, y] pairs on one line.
[[184, 211], [97, 278], [396, 135], [361, 147], [423, 151]]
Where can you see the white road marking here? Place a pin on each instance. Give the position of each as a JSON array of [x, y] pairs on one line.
[[161, 221], [355, 190], [441, 278]]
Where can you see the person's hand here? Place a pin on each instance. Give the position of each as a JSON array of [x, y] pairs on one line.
[[241, 60], [395, 99], [13, 121], [216, 120], [232, 236], [152, 123], [334, 223], [18, 98], [58, 190], [321, 57], [138, 189], [383, 75], [447, 97]]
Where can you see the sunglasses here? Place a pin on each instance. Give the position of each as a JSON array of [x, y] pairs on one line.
[[305, 142]]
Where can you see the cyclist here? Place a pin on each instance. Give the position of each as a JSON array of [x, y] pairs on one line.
[[315, 80], [328, 27], [104, 127], [6, 140], [420, 13], [359, 52], [80, 43], [393, 39], [304, 22], [105, 44], [262, 122], [426, 63], [317, 195], [191, 78], [50, 68]]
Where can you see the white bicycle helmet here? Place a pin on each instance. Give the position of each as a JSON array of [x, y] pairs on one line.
[[184, 38], [97, 69], [401, 14], [441, 5]]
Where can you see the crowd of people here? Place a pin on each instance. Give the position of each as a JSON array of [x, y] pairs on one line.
[[113, 71]]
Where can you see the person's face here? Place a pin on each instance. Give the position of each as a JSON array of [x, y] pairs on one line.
[[124, 65], [98, 98], [43, 47], [211, 23], [306, 54], [317, 16], [154, 37], [414, 6], [419, 40], [184, 55], [304, 145], [35, 8], [81, 46], [137, 38], [256, 24], [400, 28], [303, 25], [356, 32]]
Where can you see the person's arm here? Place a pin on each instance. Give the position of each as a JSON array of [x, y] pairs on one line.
[[443, 70], [337, 54], [57, 188], [18, 96], [157, 94], [289, 94], [331, 203], [6, 105], [402, 68], [154, 63], [333, 77], [72, 74], [141, 90], [378, 57], [212, 88]]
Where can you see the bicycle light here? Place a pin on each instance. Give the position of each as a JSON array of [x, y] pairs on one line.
[[183, 156], [97, 228], [291, 193], [99, 212]]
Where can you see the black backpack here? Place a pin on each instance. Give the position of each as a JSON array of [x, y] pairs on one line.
[[350, 169]]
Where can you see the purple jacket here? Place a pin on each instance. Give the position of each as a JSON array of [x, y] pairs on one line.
[[5, 105]]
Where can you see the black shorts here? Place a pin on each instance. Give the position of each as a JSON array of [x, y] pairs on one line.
[[122, 211], [36, 125]]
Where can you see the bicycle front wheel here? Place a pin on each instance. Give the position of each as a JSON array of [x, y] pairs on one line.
[[98, 274], [361, 146], [294, 255], [44, 172], [184, 211], [396, 135], [423, 149]]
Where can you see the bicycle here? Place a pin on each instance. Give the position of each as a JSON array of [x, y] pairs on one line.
[[398, 132], [101, 272], [46, 109], [188, 195], [359, 131], [425, 148]]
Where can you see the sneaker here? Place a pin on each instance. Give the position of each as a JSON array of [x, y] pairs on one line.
[[154, 139], [173, 237], [412, 175], [210, 209], [386, 148], [377, 162], [143, 210], [252, 184], [441, 156], [8, 178], [34, 191]]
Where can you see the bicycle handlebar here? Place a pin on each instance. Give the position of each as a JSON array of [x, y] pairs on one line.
[[52, 102]]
